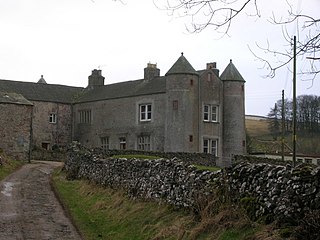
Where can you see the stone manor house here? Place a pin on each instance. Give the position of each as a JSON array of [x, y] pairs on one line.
[[183, 111]]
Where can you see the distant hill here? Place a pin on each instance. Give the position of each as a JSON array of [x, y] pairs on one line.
[[261, 140], [256, 125]]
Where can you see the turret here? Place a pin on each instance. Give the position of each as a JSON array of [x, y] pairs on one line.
[[182, 107], [233, 113], [41, 80]]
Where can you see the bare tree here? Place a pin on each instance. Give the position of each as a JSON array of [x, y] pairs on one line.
[[220, 14]]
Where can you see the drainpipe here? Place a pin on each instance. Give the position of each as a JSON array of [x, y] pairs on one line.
[[30, 135]]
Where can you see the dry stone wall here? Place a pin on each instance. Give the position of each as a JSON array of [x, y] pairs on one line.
[[281, 193]]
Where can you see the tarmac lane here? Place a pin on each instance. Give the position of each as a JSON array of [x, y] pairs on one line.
[[29, 208]]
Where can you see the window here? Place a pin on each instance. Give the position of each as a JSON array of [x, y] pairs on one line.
[[210, 146], [214, 113], [206, 113], [308, 160], [210, 113], [144, 143], [123, 143], [318, 161], [45, 145], [85, 116], [52, 118], [104, 143], [145, 112]]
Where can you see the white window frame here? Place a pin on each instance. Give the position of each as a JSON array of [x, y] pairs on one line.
[[214, 113], [52, 118], [206, 113], [210, 145], [144, 143], [210, 113], [145, 112]]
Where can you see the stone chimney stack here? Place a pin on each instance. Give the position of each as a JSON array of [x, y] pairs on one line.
[[151, 71], [95, 79], [213, 66]]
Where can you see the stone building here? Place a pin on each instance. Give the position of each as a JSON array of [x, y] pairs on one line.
[[51, 113], [183, 111], [15, 129]]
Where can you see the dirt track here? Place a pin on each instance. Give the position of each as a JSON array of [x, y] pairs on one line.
[[29, 208]]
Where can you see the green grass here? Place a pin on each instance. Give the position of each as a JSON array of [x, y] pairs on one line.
[[103, 213], [212, 169], [136, 156], [8, 167]]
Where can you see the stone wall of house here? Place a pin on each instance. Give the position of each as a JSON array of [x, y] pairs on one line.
[[15, 130], [46, 134], [280, 193]]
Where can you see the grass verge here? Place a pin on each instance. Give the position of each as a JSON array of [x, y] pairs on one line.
[[102, 213], [9, 166]]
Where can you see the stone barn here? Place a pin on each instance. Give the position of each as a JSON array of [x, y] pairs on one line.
[[15, 125]]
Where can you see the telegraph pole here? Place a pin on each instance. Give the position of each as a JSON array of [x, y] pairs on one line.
[[294, 135], [282, 127]]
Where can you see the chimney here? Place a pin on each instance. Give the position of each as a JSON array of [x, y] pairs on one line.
[[95, 79], [151, 71], [213, 67]]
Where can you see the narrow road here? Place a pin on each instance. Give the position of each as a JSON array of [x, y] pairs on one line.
[[29, 208]]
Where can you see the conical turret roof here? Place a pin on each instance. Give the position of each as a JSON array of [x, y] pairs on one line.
[[231, 73], [182, 66]]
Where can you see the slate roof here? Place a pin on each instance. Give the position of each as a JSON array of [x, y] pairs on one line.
[[13, 98], [41, 92], [67, 94], [124, 89], [182, 66], [231, 73]]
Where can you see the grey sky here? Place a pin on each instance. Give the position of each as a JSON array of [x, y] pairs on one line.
[[65, 40]]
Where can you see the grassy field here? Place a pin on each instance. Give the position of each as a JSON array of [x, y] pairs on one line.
[[258, 132], [102, 213], [257, 127]]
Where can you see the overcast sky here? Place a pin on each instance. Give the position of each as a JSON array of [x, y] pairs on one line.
[[66, 39]]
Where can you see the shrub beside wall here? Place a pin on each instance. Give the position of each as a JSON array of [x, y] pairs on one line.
[[273, 192]]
